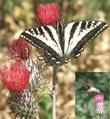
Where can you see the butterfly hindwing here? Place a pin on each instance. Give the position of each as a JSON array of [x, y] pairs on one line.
[[77, 34]]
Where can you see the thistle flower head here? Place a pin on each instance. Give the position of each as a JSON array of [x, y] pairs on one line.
[[23, 105], [48, 14], [99, 104], [15, 77], [20, 49]]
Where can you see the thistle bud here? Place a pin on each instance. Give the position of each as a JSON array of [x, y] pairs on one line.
[[23, 105]]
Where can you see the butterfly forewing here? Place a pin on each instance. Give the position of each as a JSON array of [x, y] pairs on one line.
[[76, 34], [46, 37]]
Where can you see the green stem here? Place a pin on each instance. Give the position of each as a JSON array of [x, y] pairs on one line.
[[54, 93], [99, 116]]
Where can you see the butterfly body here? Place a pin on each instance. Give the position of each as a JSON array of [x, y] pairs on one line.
[[60, 43], [51, 60]]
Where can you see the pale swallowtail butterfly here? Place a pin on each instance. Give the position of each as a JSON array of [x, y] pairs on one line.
[[62, 42]]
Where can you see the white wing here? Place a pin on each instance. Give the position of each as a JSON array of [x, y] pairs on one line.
[[45, 37], [76, 34]]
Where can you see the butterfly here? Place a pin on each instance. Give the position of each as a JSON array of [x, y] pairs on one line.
[[62, 42]]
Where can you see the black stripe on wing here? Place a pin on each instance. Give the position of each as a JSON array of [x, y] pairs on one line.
[[50, 33], [39, 44], [83, 25], [60, 31], [73, 29], [88, 37]]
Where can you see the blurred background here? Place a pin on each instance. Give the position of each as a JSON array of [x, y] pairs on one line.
[[84, 103], [17, 15]]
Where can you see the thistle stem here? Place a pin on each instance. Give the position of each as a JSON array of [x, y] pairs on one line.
[[54, 93], [99, 116]]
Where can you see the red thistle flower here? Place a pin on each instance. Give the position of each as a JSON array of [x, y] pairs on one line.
[[99, 104], [48, 14], [15, 77], [99, 98], [20, 49]]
